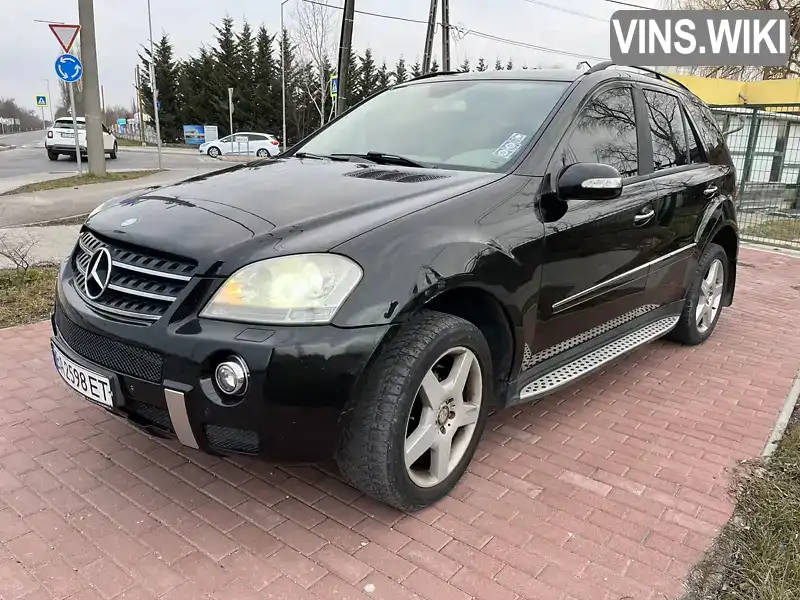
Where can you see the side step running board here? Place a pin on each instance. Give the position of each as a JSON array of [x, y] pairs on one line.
[[596, 359]]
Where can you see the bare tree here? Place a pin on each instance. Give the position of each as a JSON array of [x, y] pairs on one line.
[[791, 69], [315, 38]]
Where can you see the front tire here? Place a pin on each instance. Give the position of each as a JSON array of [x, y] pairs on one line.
[[704, 299], [113, 154], [214, 152], [414, 427]]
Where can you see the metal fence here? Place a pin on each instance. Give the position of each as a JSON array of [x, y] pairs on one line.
[[764, 141]]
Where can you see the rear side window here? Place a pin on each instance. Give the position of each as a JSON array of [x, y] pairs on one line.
[[67, 124], [696, 153], [606, 133], [708, 130], [666, 130]]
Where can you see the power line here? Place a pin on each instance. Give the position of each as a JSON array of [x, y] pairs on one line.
[[464, 32], [629, 4], [567, 10]]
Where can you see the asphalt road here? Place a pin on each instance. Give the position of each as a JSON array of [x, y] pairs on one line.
[[29, 159]]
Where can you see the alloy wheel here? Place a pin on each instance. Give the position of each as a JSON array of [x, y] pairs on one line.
[[711, 289], [443, 417]]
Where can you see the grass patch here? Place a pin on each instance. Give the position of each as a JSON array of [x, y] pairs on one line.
[[124, 142], [79, 180], [26, 296], [787, 230], [757, 554]]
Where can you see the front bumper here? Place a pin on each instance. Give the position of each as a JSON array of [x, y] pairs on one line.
[[301, 378]]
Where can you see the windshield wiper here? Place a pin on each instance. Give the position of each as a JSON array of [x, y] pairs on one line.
[[387, 159]]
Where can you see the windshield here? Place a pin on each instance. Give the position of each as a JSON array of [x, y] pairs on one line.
[[67, 124], [450, 124]]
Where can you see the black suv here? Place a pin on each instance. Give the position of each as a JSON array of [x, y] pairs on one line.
[[458, 243]]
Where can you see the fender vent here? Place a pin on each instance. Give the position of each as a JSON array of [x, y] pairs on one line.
[[394, 175]]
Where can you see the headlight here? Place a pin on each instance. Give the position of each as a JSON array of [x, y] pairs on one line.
[[296, 289]]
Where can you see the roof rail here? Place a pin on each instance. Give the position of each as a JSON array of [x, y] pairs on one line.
[[436, 74], [608, 63]]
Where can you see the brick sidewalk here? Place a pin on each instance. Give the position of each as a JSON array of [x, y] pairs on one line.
[[610, 489]]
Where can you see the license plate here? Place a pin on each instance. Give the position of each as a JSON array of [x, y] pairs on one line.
[[87, 383], [67, 135]]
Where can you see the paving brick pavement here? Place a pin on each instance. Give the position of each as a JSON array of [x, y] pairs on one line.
[[609, 489]]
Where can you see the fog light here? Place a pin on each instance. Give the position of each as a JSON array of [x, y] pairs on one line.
[[231, 376]]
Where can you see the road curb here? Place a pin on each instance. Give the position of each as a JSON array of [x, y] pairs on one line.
[[789, 404], [48, 223], [4, 148]]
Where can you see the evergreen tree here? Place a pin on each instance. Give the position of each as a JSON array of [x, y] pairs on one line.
[[416, 70], [510, 65], [384, 79], [267, 85], [498, 66], [482, 66], [434, 66], [167, 71], [227, 74], [400, 71], [199, 107], [245, 114], [367, 76], [465, 66]]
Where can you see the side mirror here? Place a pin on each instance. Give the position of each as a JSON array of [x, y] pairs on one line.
[[589, 181]]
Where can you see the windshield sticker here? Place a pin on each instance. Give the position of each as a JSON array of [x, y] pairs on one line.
[[510, 146]]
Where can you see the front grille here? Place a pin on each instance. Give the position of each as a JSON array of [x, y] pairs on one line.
[[394, 175], [153, 415], [111, 354], [142, 285], [230, 439]]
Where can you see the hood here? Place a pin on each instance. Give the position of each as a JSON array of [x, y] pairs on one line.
[[273, 207]]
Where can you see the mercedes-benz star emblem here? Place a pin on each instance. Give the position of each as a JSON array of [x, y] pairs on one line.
[[98, 273]]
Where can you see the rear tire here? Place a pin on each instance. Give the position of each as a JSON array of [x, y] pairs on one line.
[[262, 153], [52, 155], [703, 305], [410, 410]]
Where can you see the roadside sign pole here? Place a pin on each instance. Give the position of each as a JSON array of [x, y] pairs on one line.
[[44, 123], [153, 83], [75, 128]]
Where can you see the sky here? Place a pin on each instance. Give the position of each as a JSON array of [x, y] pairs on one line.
[[28, 49]]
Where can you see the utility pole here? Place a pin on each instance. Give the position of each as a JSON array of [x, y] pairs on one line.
[[230, 108], [426, 55], [445, 35], [91, 90], [153, 84], [50, 101], [139, 105], [345, 44]]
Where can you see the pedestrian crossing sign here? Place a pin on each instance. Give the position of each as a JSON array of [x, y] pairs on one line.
[[41, 101]]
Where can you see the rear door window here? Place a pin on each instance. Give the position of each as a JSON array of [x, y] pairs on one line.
[[708, 129], [666, 130]]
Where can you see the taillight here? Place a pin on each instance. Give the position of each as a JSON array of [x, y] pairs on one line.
[[50, 134], [275, 142]]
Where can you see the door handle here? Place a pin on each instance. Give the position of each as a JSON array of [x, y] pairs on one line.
[[642, 217], [710, 191]]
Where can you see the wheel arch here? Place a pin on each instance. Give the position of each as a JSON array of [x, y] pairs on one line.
[[727, 236]]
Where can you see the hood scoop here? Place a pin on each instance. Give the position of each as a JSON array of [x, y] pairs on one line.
[[394, 175]]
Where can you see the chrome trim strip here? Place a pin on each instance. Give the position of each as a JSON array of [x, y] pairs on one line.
[[607, 282], [142, 270], [123, 265], [132, 292], [176, 407], [116, 311]]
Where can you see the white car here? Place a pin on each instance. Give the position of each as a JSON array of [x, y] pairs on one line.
[[245, 143], [61, 139]]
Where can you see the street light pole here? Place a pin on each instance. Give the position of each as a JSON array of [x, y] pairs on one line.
[[153, 83], [283, 78]]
